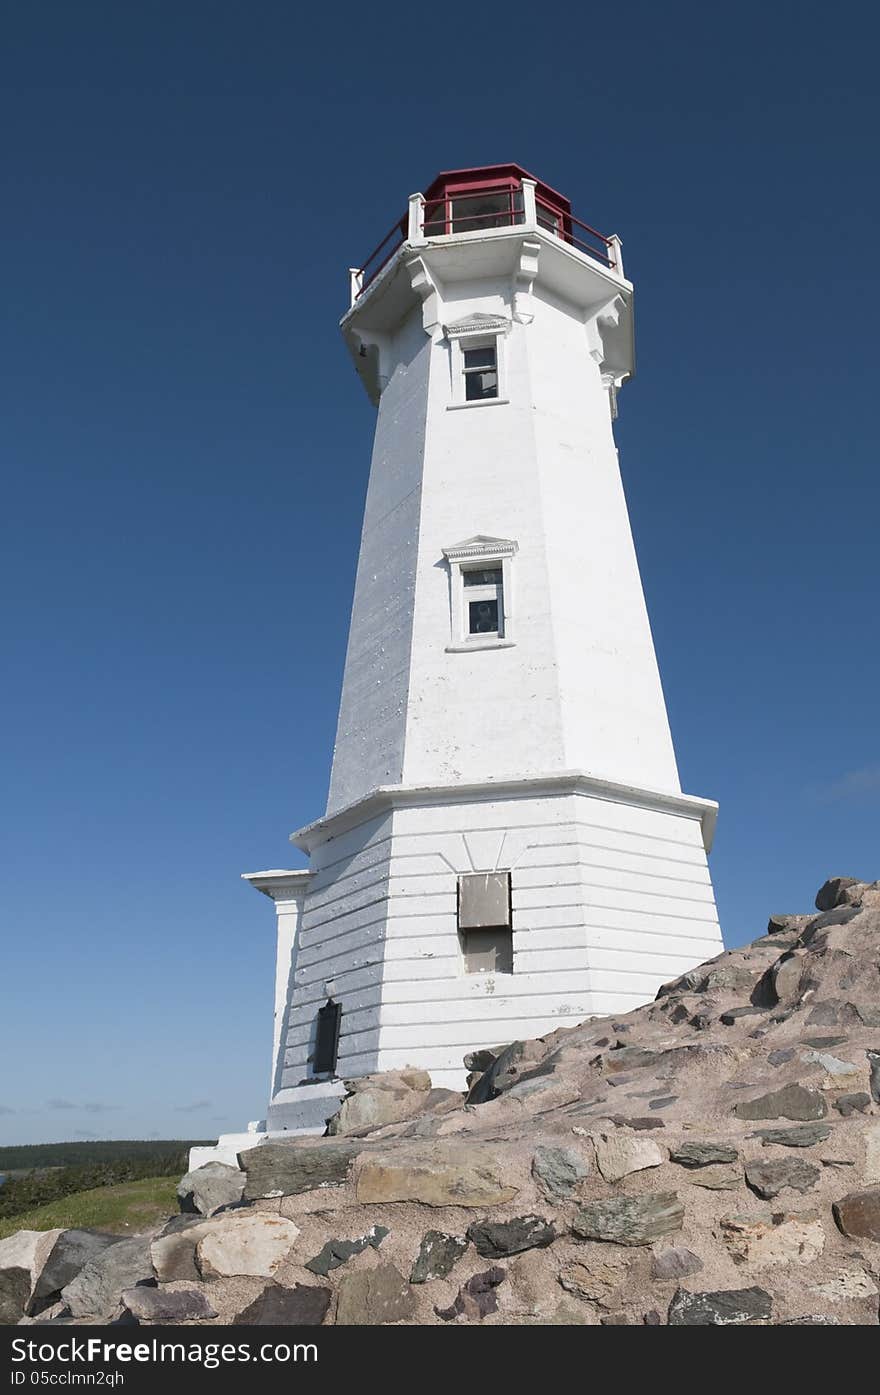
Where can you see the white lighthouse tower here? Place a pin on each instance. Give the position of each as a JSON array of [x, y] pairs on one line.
[[506, 848]]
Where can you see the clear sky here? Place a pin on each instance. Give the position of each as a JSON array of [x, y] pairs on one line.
[[185, 451]]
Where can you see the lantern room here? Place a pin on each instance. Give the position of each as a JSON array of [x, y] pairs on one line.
[[472, 200]]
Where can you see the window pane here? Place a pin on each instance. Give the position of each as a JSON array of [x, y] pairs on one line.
[[479, 358], [487, 576], [483, 617], [471, 212], [479, 385], [488, 951]]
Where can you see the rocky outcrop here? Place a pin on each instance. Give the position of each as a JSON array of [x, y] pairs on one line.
[[712, 1159]]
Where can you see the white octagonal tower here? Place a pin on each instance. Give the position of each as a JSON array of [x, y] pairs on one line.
[[506, 848]]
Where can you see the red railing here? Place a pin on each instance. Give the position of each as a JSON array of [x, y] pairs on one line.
[[444, 216]]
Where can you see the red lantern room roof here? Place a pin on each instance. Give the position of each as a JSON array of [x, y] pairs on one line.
[[484, 177]]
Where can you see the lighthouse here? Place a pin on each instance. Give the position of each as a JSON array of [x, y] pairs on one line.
[[506, 848]]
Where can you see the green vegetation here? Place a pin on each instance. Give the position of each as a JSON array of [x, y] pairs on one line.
[[128, 1206], [78, 1154], [60, 1170]]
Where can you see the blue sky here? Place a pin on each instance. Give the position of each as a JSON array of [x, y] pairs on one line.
[[185, 452]]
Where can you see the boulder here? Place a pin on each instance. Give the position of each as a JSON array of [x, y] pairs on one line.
[[769, 1178], [498, 1239], [838, 891], [731, 1307], [71, 1251], [338, 1252], [437, 1256], [791, 1102], [210, 1188], [858, 1215], [558, 1171], [165, 1305], [173, 1253], [278, 1306], [450, 1175], [245, 1242], [630, 1220], [286, 1169], [618, 1154], [96, 1289], [22, 1257], [374, 1296]]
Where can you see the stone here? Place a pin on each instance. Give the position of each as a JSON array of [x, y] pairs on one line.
[[71, 1251], [800, 1136], [451, 1175], [836, 891], [596, 1280], [730, 978], [173, 1253], [210, 1188], [846, 1285], [286, 1169], [438, 1254], [779, 1058], [558, 1171], [874, 1069], [700, 1154], [373, 1108], [247, 1242], [733, 1307], [852, 1104], [780, 1239], [500, 1075], [823, 1043], [167, 1305], [716, 1179], [639, 1122], [664, 1102], [95, 1290], [832, 1064], [786, 975], [22, 1258], [780, 924], [278, 1306], [871, 1171], [675, 1263], [769, 1178], [498, 1239], [370, 1297], [732, 1015], [618, 1154], [338, 1252], [791, 1102], [630, 1220], [858, 1215], [477, 1298]]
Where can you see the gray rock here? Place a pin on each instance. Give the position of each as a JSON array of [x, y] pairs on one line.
[[800, 1136], [852, 1104], [733, 1015], [72, 1250], [630, 1220], [858, 1215], [373, 1296], [15, 1291], [791, 1102], [874, 1069], [823, 1043], [721, 1308], [676, 1263], [641, 1121], [498, 1239], [95, 1290], [500, 1075], [769, 1178], [337, 1252], [210, 1188], [663, 1102], [868, 1016], [437, 1256], [780, 1057], [780, 924], [477, 1298], [167, 1305], [286, 1169], [834, 892], [702, 1154], [558, 1171], [173, 1252], [278, 1306]]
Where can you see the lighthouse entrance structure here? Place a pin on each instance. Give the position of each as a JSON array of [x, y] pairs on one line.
[[506, 848]]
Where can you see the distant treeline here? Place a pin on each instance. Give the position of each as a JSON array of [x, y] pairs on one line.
[[80, 1167]]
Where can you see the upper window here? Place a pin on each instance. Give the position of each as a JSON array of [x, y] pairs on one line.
[[484, 594], [480, 372], [484, 922], [481, 592]]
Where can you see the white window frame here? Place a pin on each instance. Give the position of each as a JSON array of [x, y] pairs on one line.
[[484, 332], [478, 554]]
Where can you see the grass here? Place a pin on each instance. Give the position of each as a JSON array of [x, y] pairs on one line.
[[126, 1208]]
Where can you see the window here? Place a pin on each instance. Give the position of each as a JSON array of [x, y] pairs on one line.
[[327, 1038], [481, 593], [480, 373], [484, 595], [484, 922]]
